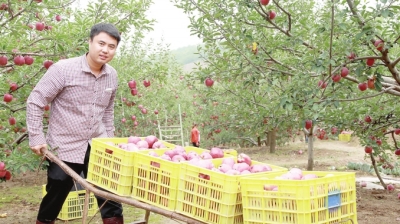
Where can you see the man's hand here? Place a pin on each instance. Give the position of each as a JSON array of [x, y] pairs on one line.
[[39, 149]]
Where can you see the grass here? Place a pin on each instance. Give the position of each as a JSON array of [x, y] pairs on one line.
[[21, 195]]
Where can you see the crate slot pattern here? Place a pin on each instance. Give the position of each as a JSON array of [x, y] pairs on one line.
[[155, 180], [74, 205], [210, 196], [110, 167], [325, 200]]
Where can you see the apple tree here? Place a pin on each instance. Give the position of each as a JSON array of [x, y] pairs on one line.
[[319, 62], [36, 34]]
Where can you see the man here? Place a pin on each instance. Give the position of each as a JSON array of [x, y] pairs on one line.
[[195, 136], [81, 92]]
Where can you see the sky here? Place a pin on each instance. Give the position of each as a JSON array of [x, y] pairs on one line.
[[171, 25]]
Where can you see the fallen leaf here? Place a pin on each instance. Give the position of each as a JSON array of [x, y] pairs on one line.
[[4, 215]]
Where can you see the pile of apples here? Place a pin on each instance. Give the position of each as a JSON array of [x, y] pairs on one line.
[[292, 174], [135, 143], [229, 165], [4, 174], [179, 154]]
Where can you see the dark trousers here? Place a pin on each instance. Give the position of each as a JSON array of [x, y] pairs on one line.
[[195, 144], [59, 185]]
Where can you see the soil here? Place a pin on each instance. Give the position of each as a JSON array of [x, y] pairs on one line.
[[20, 197]]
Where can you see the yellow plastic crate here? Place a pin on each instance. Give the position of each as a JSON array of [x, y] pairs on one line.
[[324, 200], [110, 167], [155, 180], [74, 204], [344, 137], [210, 196]]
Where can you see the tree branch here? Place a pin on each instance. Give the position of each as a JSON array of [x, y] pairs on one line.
[[353, 9]]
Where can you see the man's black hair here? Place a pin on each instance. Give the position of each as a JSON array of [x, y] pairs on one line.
[[108, 28]]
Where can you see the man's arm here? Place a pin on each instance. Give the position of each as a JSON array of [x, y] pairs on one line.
[[108, 118], [44, 92]]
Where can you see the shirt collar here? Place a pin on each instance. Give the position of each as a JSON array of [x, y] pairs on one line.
[[86, 68]]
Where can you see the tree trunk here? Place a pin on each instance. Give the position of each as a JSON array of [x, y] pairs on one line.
[[268, 141], [310, 164], [259, 141], [272, 141]]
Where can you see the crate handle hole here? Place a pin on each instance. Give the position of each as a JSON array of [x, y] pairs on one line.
[[204, 176], [109, 151], [155, 164]]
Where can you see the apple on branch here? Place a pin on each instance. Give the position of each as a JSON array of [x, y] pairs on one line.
[[3, 60], [344, 72], [28, 60], [19, 60], [362, 86], [7, 97], [209, 82]]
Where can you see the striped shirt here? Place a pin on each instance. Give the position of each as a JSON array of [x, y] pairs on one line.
[[82, 107]]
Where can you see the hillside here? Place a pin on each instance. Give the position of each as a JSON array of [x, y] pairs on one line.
[[186, 55]]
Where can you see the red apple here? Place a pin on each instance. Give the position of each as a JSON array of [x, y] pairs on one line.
[[47, 63], [133, 117], [28, 60], [333, 130], [322, 84], [144, 111], [209, 82], [362, 86], [344, 72], [123, 120], [308, 124], [40, 26], [155, 111], [379, 142], [47, 107], [368, 149], [264, 2], [379, 45], [3, 6], [19, 60], [351, 56], [390, 187], [134, 92], [272, 15], [135, 123], [367, 119], [370, 62], [3, 60], [397, 152], [146, 83], [12, 120], [13, 86], [2, 166], [58, 18], [132, 84], [8, 175], [397, 131], [7, 98], [336, 78], [371, 84]]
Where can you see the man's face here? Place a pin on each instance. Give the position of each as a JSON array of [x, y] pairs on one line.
[[102, 48]]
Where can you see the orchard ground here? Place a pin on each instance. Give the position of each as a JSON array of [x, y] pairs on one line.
[[20, 197]]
